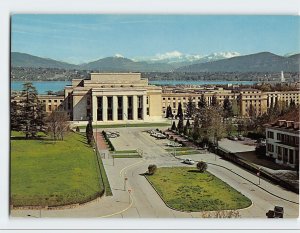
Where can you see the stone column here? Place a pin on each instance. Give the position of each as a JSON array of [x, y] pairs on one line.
[[125, 108], [95, 107], [115, 108], [104, 108], [144, 107], [135, 106]]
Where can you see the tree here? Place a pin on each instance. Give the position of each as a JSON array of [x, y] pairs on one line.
[[15, 116], [227, 108], [58, 124], [179, 111], [187, 127], [152, 169], [173, 126], [235, 107], [201, 166], [196, 129], [89, 131], [180, 125], [190, 108], [28, 113], [40, 116], [214, 101], [202, 102], [169, 112]]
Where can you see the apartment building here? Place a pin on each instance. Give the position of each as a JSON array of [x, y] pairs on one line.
[[283, 141]]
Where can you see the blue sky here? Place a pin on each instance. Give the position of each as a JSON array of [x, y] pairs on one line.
[[82, 38]]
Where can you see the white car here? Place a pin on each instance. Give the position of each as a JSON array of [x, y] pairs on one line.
[[189, 161], [174, 144]]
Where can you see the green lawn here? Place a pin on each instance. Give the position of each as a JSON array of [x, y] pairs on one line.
[[128, 125], [47, 173], [183, 151], [186, 189], [125, 154]]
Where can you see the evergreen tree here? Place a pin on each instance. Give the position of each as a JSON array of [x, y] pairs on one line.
[[196, 129], [187, 127], [214, 101], [15, 116], [89, 131], [173, 126], [292, 103], [180, 125], [202, 103], [169, 112], [179, 111], [40, 116], [28, 111], [190, 108], [235, 108], [227, 108]]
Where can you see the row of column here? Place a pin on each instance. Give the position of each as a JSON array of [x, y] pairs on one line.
[[115, 107]]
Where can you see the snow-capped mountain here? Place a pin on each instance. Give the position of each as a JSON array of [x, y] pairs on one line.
[[174, 57]]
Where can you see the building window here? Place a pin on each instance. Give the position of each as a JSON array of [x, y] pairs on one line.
[[55, 101], [270, 134], [49, 101], [49, 108], [109, 108], [291, 156], [174, 105], [148, 113]]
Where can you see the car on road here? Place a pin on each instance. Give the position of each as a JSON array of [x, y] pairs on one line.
[[241, 138], [232, 137], [174, 144], [189, 161]]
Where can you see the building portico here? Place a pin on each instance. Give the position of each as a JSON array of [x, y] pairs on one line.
[[114, 98]]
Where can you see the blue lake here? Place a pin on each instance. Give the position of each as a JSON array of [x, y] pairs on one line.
[[44, 86]]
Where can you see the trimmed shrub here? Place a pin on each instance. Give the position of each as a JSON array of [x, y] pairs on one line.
[[202, 166], [77, 129], [152, 169]]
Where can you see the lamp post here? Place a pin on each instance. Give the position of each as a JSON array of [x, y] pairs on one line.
[[125, 180], [258, 174]]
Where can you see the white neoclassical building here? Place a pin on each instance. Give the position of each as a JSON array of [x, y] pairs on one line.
[[113, 98]]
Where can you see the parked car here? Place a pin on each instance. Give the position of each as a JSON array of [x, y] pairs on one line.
[[276, 213], [189, 161], [241, 138], [232, 137]]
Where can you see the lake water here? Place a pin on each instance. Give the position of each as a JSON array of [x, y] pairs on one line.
[[44, 86]]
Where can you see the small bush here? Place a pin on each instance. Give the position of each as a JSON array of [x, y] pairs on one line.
[[152, 169], [176, 140], [202, 166], [77, 129], [171, 137]]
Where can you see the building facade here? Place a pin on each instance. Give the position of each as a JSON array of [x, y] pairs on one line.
[[113, 98], [283, 142]]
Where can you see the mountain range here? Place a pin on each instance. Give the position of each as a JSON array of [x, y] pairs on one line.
[[217, 62]]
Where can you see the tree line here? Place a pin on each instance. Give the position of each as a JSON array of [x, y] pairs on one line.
[[29, 116]]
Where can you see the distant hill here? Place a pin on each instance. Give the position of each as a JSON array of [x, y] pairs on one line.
[[111, 64], [259, 62], [27, 60]]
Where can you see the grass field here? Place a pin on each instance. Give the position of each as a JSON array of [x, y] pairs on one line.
[[186, 189], [125, 154], [128, 125], [44, 173]]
